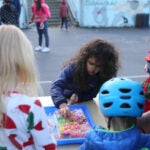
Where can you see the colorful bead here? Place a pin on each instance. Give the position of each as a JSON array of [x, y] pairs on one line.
[[74, 127]]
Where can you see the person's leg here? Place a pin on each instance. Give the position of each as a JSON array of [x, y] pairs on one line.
[[66, 22], [46, 35], [61, 23], [39, 31]]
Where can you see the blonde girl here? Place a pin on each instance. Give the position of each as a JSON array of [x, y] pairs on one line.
[[23, 122]]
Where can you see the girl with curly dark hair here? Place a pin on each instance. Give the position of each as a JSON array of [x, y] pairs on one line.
[[84, 73]]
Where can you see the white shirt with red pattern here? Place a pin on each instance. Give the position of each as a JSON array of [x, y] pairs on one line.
[[26, 126]]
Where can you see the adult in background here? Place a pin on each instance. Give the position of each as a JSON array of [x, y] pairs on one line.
[[8, 13], [17, 5], [64, 13]]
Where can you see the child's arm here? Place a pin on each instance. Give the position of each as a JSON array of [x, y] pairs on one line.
[[60, 85], [42, 19], [32, 18], [57, 90], [43, 15], [143, 122]]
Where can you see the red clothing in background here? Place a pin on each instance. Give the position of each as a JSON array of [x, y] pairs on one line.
[[63, 9]]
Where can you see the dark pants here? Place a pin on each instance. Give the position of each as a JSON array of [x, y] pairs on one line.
[[64, 20], [41, 32]]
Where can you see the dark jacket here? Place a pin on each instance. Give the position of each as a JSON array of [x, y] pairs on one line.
[[130, 139], [64, 87], [17, 4], [8, 14]]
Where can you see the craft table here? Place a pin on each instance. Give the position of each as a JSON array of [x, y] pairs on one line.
[[94, 111]]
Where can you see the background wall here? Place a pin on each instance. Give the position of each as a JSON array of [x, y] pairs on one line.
[[108, 13]]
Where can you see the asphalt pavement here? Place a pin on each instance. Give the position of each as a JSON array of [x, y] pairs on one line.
[[133, 44]]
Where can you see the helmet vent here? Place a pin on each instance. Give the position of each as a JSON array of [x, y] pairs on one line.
[[141, 106], [125, 97], [106, 105], [125, 105], [105, 92], [141, 93], [124, 90]]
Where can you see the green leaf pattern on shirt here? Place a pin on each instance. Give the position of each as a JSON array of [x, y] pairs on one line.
[[30, 120]]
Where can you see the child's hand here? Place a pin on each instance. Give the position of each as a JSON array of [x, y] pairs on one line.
[[64, 110], [30, 21], [74, 99], [145, 68], [41, 25]]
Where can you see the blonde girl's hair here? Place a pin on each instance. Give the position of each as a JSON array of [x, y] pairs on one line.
[[17, 62]]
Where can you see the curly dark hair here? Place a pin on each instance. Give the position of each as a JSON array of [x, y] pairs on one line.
[[106, 55]]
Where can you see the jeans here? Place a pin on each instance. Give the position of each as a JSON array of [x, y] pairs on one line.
[[43, 31], [64, 20]]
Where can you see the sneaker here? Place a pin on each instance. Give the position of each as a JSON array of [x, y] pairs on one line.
[[38, 48], [46, 49]]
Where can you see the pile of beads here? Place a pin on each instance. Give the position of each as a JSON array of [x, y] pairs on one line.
[[74, 127]]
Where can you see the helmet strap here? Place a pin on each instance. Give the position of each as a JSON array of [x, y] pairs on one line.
[[109, 122]]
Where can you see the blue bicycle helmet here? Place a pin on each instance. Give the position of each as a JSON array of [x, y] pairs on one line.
[[121, 97]]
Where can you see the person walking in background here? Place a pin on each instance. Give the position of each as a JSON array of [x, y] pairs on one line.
[[23, 122], [8, 13], [64, 13], [121, 101], [82, 76], [41, 13]]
